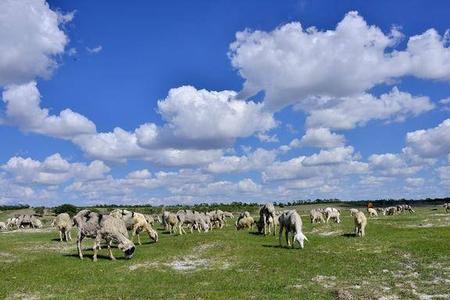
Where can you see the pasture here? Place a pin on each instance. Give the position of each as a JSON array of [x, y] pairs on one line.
[[401, 257]]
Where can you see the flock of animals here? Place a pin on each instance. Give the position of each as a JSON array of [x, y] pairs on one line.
[[113, 228]]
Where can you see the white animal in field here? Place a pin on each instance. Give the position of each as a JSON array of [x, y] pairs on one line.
[[64, 224], [372, 212], [316, 216], [102, 227], [291, 222], [447, 207], [333, 214], [136, 222], [391, 210], [265, 212], [353, 211], [360, 224], [3, 226], [245, 222]]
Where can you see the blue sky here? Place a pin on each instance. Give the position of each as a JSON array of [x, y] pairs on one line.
[[176, 102]]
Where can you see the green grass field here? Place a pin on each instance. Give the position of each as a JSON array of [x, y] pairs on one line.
[[401, 257]]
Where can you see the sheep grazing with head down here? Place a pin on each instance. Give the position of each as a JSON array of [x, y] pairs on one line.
[[316, 216], [291, 222], [136, 222], [353, 211], [447, 207], [102, 227], [381, 211], [265, 213], [372, 212], [360, 224], [391, 210], [3, 226], [64, 224], [245, 221], [333, 214]]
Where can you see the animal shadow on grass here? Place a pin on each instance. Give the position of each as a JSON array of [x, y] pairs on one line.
[[88, 256], [349, 235], [273, 246], [254, 233]]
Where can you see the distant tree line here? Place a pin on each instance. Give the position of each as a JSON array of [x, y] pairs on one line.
[[233, 206]]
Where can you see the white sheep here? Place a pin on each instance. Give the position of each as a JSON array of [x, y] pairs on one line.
[[136, 222], [447, 207], [353, 211], [64, 224], [265, 212], [381, 210], [360, 224], [102, 227], [391, 210], [245, 222], [316, 216], [290, 221], [372, 212], [333, 213], [3, 226]]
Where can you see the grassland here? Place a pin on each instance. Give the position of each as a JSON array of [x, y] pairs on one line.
[[402, 257]]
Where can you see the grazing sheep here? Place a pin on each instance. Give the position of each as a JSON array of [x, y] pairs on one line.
[[332, 213], [3, 226], [193, 220], [217, 218], [353, 211], [360, 224], [316, 216], [12, 222], [372, 212], [290, 221], [64, 224], [245, 222], [381, 210], [102, 227], [265, 212], [136, 222], [391, 210], [447, 207], [170, 221]]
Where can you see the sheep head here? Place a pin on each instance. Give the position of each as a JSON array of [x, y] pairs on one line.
[[300, 238], [127, 247]]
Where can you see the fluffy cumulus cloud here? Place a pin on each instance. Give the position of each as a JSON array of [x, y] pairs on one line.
[[322, 138], [432, 142], [23, 110], [204, 119], [30, 40], [54, 170], [254, 161], [291, 63], [349, 112]]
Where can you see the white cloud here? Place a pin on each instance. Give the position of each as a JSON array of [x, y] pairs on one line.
[[94, 50], [349, 112], [291, 63], [265, 138], [444, 174], [390, 164], [328, 157], [54, 170], [432, 142], [248, 185], [322, 138], [139, 174], [23, 110], [415, 181], [30, 40], [257, 160], [204, 119]]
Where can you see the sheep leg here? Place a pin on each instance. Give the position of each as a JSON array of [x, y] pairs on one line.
[[111, 256], [292, 239], [60, 236], [68, 233], [280, 235], [79, 239], [139, 239], [287, 238], [94, 258]]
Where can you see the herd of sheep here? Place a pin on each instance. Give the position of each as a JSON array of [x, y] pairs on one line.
[[113, 228]]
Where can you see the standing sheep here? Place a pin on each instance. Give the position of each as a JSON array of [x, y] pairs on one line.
[[290, 221], [136, 222], [316, 216], [3, 226], [64, 224], [267, 211], [360, 224], [447, 207]]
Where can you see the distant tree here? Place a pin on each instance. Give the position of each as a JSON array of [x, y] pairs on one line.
[[66, 208]]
